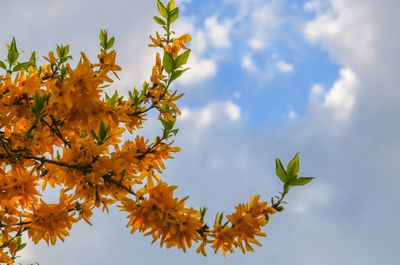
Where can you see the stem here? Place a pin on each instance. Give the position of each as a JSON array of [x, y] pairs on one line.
[[84, 168]]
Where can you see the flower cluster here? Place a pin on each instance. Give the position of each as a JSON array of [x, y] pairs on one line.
[[61, 129]]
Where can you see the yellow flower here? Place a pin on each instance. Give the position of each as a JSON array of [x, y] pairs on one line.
[[224, 239], [107, 64], [18, 186], [164, 217], [4, 258], [156, 74], [178, 44], [50, 221], [51, 58], [157, 42]]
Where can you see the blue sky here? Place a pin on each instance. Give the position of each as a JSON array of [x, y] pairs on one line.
[[268, 78]]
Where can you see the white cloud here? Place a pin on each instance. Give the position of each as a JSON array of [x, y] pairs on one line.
[[232, 110], [248, 64], [316, 92], [199, 42], [212, 112], [218, 32], [200, 70], [314, 5], [185, 113], [262, 20], [208, 39], [284, 67], [264, 15], [341, 97], [344, 31], [256, 43], [205, 117], [319, 195]]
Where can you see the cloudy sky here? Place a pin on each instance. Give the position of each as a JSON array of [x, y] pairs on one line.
[[268, 78]]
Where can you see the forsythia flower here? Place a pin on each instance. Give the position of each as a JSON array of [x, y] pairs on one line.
[[18, 186], [4, 258], [246, 224], [50, 221], [164, 217], [178, 44], [156, 75], [157, 42]]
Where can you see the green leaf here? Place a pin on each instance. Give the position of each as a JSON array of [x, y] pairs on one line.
[[203, 212], [13, 55], [182, 59], [110, 43], [168, 125], [93, 133], [20, 247], [174, 15], [220, 218], [103, 132], [293, 167], [24, 65], [134, 96], [63, 72], [114, 99], [301, 181], [38, 103], [83, 134], [66, 47], [175, 131], [32, 58], [162, 9], [171, 5], [62, 51], [159, 21], [280, 171], [3, 65], [103, 38], [177, 74], [168, 62]]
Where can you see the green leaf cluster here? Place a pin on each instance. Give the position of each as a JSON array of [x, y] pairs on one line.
[[101, 136], [114, 99], [63, 53], [38, 104], [12, 59], [172, 66], [105, 42], [289, 176], [169, 14]]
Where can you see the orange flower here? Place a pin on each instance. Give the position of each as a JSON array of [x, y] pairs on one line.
[[178, 44], [156, 74], [4, 258], [157, 42], [50, 221], [164, 217]]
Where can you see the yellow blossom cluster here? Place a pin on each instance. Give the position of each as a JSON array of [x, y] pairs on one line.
[[61, 129]]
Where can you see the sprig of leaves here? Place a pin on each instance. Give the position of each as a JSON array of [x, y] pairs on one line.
[[12, 59], [289, 177], [103, 135], [105, 42]]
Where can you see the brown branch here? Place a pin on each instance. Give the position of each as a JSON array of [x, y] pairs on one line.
[[53, 127], [107, 178], [84, 168]]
